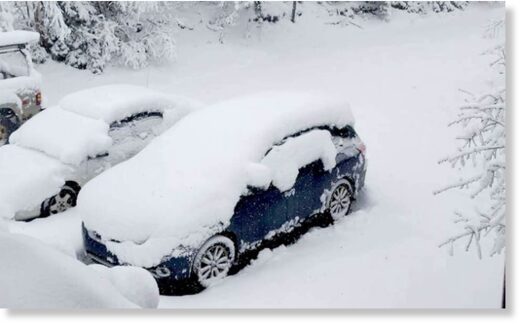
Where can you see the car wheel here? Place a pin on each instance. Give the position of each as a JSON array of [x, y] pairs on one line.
[[8, 124], [214, 260], [62, 201], [3, 134], [340, 200]]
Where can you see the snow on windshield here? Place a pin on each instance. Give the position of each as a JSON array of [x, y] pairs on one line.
[[13, 64]]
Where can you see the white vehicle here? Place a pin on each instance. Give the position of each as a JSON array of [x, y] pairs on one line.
[[54, 154], [20, 96]]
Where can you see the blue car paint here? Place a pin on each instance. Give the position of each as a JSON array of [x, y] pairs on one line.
[[258, 215]]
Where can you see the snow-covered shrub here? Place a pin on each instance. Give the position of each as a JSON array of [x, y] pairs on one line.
[[90, 35], [483, 151], [6, 18], [429, 6]]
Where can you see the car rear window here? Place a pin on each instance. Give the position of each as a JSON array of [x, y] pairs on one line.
[[13, 64]]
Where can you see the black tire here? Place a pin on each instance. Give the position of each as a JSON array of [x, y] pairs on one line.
[[9, 122], [213, 260], [61, 202]]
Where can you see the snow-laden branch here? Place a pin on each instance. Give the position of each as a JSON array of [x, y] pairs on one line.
[[484, 144]]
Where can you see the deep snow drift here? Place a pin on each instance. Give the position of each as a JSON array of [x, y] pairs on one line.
[[37, 276], [403, 79]]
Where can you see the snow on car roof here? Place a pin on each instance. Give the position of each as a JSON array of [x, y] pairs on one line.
[[69, 137], [115, 102], [190, 179], [18, 37], [78, 128]]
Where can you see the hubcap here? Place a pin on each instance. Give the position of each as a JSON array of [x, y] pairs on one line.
[[340, 202], [214, 264], [61, 203]]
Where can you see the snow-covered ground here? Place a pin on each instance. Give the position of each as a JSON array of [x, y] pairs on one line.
[[402, 79]]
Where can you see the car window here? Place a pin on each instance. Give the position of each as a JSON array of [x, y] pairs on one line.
[[13, 64], [285, 160], [133, 133]]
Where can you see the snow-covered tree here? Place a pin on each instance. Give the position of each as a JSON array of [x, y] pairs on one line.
[[483, 151], [6, 17], [91, 34]]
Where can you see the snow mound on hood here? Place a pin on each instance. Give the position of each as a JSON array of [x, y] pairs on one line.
[[34, 275], [18, 37], [115, 102], [189, 179], [27, 176], [66, 136]]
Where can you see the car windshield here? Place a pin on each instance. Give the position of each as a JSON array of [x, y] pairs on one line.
[[13, 64]]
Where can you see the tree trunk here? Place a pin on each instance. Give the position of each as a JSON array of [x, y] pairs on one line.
[[293, 13]]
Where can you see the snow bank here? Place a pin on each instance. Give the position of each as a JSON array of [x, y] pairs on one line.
[[36, 276], [25, 177], [18, 37], [135, 283], [191, 177], [66, 136], [115, 102]]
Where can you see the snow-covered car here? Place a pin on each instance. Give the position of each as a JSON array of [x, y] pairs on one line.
[[20, 96], [51, 156], [221, 183]]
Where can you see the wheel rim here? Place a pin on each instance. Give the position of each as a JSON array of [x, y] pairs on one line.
[[3, 134], [214, 264], [340, 201], [61, 203]]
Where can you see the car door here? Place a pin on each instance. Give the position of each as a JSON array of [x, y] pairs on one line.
[[306, 197], [257, 214]]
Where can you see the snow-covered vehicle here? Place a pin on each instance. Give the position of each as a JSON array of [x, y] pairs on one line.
[[20, 96], [51, 156], [223, 182]]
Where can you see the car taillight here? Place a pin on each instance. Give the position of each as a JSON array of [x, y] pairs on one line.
[[362, 148], [38, 98]]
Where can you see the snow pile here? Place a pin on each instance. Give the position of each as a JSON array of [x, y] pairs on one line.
[[135, 283], [285, 160], [27, 176], [155, 198], [115, 102], [36, 276], [18, 37], [69, 137]]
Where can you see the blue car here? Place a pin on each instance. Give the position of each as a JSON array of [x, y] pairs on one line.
[[307, 169]]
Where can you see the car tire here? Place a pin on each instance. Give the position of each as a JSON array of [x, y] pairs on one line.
[[9, 122], [62, 201], [340, 200], [214, 260]]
